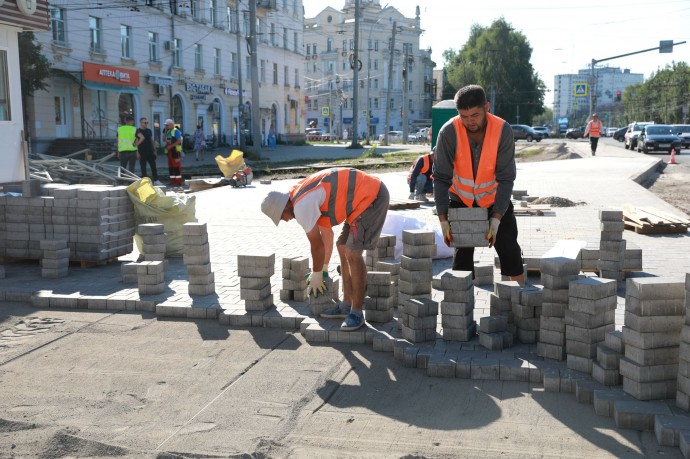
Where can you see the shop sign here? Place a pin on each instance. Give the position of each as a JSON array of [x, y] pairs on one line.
[[198, 88], [197, 97], [110, 74]]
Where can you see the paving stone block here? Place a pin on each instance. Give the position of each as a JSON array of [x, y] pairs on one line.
[[455, 280], [491, 341], [592, 288], [550, 351], [552, 380], [682, 400], [587, 335], [585, 320], [383, 342], [491, 324], [410, 357], [569, 378], [636, 415], [652, 390], [667, 429], [415, 264], [553, 309], [258, 305], [463, 213], [578, 348], [647, 373], [399, 347], [485, 369], [552, 337], [458, 322], [605, 399], [420, 251], [650, 340], [577, 363], [194, 229], [550, 295], [584, 390], [684, 438], [146, 229], [606, 376], [415, 289], [652, 307], [614, 341], [607, 357], [658, 356], [655, 288], [552, 323], [418, 237], [515, 370], [459, 334], [440, 366]]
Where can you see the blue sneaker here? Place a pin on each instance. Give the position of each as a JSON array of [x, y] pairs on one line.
[[339, 311], [352, 322]]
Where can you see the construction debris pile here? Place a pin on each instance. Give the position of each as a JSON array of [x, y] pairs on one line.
[[70, 170]]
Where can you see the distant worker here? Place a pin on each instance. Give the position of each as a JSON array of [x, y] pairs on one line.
[[420, 178], [474, 166], [326, 199], [127, 151], [147, 151], [173, 148], [593, 129]]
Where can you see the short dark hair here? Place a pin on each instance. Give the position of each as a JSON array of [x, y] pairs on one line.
[[143, 118], [129, 118], [470, 96]]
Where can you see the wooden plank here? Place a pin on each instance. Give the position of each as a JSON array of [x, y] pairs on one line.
[[403, 204], [666, 216]]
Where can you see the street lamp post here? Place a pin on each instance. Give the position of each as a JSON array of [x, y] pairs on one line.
[[368, 124]]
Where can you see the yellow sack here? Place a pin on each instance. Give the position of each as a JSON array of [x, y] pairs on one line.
[[233, 163], [152, 205]]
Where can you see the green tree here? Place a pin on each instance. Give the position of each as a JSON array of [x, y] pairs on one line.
[[498, 57], [34, 68]]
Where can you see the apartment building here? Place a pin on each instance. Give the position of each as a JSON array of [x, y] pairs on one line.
[[189, 61], [395, 78]]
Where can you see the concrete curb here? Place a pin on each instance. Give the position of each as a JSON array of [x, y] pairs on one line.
[[644, 175]]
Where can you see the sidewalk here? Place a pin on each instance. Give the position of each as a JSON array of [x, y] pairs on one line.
[[107, 382]]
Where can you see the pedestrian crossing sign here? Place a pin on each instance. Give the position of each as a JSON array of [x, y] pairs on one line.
[[580, 89], [325, 111]]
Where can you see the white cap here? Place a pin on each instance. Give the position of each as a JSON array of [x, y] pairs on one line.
[[169, 121], [274, 204]]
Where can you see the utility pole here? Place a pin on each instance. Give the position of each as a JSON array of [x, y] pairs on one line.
[[403, 106], [240, 106], [256, 113], [391, 53], [355, 78]]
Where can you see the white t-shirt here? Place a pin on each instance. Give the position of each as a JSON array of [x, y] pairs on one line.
[[307, 210]]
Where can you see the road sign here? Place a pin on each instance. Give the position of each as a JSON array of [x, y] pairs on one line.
[[325, 111], [580, 89]]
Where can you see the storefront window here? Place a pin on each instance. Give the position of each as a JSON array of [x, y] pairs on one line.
[[177, 111], [125, 106], [5, 112]]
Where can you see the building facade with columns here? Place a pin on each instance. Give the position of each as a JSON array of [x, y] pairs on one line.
[[188, 61], [387, 39]]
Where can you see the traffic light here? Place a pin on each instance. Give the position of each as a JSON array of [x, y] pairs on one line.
[[618, 96]]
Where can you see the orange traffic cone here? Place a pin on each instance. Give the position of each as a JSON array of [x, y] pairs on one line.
[[673, 157]]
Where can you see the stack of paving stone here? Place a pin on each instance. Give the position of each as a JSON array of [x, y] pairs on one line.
[[55, 261], [151, 277], [493, 333], [255, 273], [419, 247], [483, 274], [153, 241], [612, 245], [380, 298], [392, 267], [558, 268], [325, 300], [505, 294], [683, 393], [295, 273], [419, 320], [654, 316], [385, 250], [469, 226], [527, 314], [96, 221], [606, 369], [197, 257], [457, 306], [590, 315]]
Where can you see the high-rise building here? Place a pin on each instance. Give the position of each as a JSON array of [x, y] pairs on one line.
[[387, 40]]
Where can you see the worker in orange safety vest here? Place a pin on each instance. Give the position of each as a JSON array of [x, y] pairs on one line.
[[593, 130]]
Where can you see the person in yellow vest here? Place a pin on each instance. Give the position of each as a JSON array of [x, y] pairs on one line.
[[127, 151], [320, 202], [420, 177], [474, 166], [593, 129], [173, 148]]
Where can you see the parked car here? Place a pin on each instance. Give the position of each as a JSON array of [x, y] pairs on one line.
[[610, 131], [682, 131], [658, 137], [314, 134], [633, 132], [524, 132], [619, 135], [544, 130], [575, 133], [393, 137]]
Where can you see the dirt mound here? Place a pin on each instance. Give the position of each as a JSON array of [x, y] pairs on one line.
[[530, 152], [555, 201]]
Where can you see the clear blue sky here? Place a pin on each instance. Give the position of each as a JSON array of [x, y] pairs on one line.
[[564, 38]]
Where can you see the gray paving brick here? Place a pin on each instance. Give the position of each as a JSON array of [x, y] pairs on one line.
[[656, 288], [649, 324]]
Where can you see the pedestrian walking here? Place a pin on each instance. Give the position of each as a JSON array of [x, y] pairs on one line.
[[147, 151], [199, 143], [474, 166], [326, 199], [126, 149], [593, 130]]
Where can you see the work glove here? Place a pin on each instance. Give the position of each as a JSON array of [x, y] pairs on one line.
[[411, 196], [493, 231], [445, 230], [315, 283]]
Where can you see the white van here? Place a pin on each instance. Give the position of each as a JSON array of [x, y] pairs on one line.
[[634, 132]]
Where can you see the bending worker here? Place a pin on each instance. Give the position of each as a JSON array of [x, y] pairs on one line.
[[420, 178], [475, 167], [326, 199]]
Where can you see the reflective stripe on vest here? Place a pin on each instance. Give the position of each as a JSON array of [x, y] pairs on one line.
[[425, 167], [595, 129], [126, 136], [481, 188], [349, 192], [170, 138]]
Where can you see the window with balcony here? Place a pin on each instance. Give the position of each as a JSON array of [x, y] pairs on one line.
[[58, 25], [96, 34], [126, 41]]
